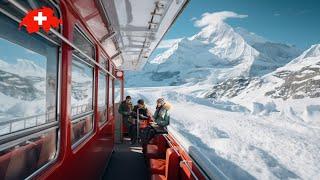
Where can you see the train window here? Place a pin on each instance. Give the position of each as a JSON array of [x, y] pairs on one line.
[[102, 92], [117, 91], [82, 88], [28, 105], [83, 44], [111, 95], [102, 98]]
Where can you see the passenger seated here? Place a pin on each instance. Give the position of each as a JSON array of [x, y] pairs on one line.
[[161, 120], [140, 110]]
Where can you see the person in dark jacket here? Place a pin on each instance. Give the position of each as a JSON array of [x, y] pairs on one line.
[[125, 109], [140, 110]]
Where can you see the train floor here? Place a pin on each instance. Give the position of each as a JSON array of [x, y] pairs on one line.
[[127, 162]]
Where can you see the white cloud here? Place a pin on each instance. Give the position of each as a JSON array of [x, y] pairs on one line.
[[193, 19], [212, 18], [168, 43]]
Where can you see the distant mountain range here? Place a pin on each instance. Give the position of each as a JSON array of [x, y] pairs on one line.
[[216, 53]]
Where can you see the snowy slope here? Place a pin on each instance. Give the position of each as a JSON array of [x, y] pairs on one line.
[[22, 89], [245, 106], [292, 90], [241, 144]]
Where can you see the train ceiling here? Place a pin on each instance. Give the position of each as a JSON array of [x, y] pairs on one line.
[[137, 26]]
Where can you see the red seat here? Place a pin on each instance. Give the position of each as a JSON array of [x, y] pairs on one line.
[[157, 150], [158, 177], [172, 166], [152, 151], [157, 166], [4, 163]]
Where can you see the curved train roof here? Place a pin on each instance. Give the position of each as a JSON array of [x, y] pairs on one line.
[[136, 27]]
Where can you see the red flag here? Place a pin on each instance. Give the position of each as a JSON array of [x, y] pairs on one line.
[[43, 17]]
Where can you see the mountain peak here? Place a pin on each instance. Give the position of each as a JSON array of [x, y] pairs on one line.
[[250, 37], [313, 51]]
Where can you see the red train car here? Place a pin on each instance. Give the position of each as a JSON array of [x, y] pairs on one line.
[[69, 83]]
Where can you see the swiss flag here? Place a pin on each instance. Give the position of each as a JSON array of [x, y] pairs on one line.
[[37, 18]]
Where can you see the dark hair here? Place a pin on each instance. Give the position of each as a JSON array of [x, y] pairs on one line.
[[141, 101], [128, 97]]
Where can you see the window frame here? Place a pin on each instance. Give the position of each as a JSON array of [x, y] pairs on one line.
[[79, 117], [106, 107], [110, 79], [24, 135]]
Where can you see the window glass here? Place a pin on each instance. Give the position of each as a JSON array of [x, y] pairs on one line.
[[81, 87], [80, 128], [28, 100], [102, 98], [83, 44], [102, 91], [111, 86], [103, 61], [28, 79], [117, 91], [22, 159]]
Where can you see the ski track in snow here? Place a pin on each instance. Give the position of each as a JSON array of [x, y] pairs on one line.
[[241, 145]]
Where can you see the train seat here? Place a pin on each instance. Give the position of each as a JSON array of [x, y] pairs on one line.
[[157, 166], [157, 150], [171, 166], [4, 163], [158, 177]]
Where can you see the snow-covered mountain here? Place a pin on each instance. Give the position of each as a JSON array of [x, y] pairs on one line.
[[29, 68], [249, 105], [218, 52], [298, 79]]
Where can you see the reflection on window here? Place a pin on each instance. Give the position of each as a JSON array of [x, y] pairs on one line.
[[81, 99], [25, 158], [111, 98], [81, 88], [117, 91], [81, 127], [28, 100], [28, 81], [102, 90], [83, 44], [102, 98]]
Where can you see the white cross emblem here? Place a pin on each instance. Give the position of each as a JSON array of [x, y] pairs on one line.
[[40, 18]]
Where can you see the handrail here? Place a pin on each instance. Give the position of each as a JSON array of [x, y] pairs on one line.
[[184, 161], [19, 6], [220, 174], [77, 109], [25, 120], [190, 169], [46, 117]]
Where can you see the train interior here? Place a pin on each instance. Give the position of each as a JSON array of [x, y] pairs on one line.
[[66, 124]]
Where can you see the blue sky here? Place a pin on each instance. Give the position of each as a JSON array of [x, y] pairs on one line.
[[11, 52], [295, 22]]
